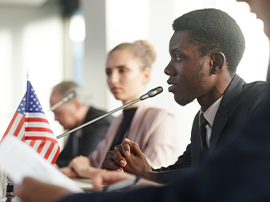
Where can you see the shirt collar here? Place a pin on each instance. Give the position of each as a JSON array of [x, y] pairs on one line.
[[211, 112]]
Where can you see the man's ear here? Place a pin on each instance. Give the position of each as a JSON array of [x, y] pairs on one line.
[[77, 102], [217, 62]]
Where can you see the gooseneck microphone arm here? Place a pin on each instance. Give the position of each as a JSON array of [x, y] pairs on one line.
[[149, 94]]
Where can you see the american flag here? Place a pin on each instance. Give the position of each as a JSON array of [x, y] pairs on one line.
[[29, 124]]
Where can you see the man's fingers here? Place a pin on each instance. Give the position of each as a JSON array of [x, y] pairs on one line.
[[114, 161], [117, 157], [71, 163], [69, 172], [109, 164], [126, 149], [120, 169], [98, 182], [101, 179], [32, 190], [24, 191], [21, 190], [133, 147], [108, 178]]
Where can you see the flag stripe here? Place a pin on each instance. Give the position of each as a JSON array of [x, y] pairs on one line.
[[41, 146], [35, 115], [21, 134], [10, 124], [37, 129], [34, 119], [56, 156], [37, 124], [36, 145], [45, 148], [40, 135], [53, 152], [18, 129], [15, 123], [32, 143], [46, 156], [41, 138]]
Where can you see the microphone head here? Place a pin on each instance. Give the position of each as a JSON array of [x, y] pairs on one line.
[[152, 93], [69, 96], [155, 91]]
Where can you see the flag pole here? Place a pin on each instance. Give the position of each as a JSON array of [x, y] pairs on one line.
[[27, 75]]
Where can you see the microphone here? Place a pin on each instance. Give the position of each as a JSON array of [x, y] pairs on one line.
[[68, 97], [150, 93]]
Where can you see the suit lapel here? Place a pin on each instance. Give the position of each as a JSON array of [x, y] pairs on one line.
[[228, 101]]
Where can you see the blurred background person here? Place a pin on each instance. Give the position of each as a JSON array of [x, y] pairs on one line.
[[73, 113], [128, 70]]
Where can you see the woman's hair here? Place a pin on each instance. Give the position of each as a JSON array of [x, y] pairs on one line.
[[141, 49]]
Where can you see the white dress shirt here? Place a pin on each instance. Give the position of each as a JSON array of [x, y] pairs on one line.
[[210, 115]]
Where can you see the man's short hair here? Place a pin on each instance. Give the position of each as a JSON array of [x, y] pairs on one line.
[[66, 87], [214, 31]]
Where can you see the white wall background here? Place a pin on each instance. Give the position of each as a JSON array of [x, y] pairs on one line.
[[31, 38]]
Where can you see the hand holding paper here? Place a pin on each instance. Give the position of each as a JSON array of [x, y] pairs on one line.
[[32, 190], [20, 161]]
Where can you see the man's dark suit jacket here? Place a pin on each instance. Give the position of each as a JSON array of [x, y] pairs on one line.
[[240, 100], [238, 171], [88, 140]]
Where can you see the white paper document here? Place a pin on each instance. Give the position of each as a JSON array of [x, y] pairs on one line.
[[19, 160]]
